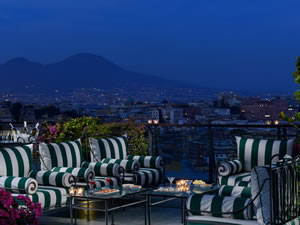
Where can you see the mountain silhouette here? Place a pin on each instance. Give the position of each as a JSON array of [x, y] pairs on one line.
[[82, 70]]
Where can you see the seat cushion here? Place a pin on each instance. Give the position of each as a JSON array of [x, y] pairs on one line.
[[16, 161], [145, 177], [220, 206], [208, 220], [240, 179], [50, 197], [258, 152], [64, 154], [113, 148]]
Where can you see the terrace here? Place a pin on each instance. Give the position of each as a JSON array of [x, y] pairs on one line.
[[190, 152]]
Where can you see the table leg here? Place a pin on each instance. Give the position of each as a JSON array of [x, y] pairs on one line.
[[146, 208], [182, 212], [106, 212], [149, 210], [112, 213], [88, 209], [71, 211]]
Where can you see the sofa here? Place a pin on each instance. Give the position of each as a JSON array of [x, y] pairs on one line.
[[140, 170], [67, 157], [272, 198], [17, 176], [251, 153]]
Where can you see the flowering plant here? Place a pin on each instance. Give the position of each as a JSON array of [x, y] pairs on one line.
[[18, 211]]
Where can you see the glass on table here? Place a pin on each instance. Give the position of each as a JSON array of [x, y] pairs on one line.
[[171, 179]]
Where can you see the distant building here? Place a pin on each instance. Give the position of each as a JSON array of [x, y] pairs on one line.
[[172, 115]]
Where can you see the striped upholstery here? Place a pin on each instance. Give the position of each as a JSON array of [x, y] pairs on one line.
[[49, 178], [115, 148], [213, 205], [50, 197], [64, 154], [230, 167], [145, 177], [19, 184], [154, 162], [258, 152], [103, 169], [16, 161], [86, 174], [241, 179], [235, 191], [129, 165], [294, 222]]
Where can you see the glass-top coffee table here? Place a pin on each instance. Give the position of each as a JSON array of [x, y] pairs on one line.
[[85, 200], [169, 196]]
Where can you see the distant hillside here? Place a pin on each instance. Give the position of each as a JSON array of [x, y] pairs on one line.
[[81, 70]]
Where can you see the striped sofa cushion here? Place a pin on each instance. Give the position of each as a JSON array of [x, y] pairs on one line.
[[154, 162], [50, 197], [19, 184], [235, 191], [49, 178], [114, 148], [230, 167], [294, 222], [213, 205], [258, 152], [103, 169], [16, 161], [83, 174], [145, 177], [241, 179], [64, 154], [129, 165]]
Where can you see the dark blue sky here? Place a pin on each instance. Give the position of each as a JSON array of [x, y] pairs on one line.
[[238, 44]]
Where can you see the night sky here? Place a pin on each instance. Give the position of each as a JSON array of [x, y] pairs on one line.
[[233, 44]]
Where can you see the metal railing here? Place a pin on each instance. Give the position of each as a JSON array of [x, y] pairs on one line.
[[182, 144]]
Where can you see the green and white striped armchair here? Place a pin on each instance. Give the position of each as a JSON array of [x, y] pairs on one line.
[[252, 153], [141, 170], [17, 176], [67, 157]]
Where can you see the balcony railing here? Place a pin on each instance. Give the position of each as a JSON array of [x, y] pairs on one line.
[[192, 151]]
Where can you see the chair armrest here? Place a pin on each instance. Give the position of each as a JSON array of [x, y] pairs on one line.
[[230, 167], [104, 169], [23, 185], [155, 162], [80, 174], [57, 179], [130, 166]]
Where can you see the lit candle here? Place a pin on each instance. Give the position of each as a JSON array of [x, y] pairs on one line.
[[80, 191], [72, 191], [149, 121]]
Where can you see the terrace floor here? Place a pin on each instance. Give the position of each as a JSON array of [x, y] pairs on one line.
[[133, 215]]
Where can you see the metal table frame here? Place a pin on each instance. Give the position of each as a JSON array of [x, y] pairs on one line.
[[106, 199], [170, 197]]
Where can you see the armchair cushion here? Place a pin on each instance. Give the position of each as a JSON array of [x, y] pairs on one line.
[[155, 162], [50, 197], [103, 169], [230, 167], [258, 152], [16, 161], [115, 148], [145, 177], [129, 165], [23, 185], [86, 174], [49, 178], [64, 154], [235, 191], [240, 179], [213, 205]]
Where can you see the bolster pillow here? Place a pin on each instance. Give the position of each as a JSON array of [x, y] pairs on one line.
[[230, 167], [80, 174], [104, 169], [57, 179], [23, 185], [154, 162], [128, 165]]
